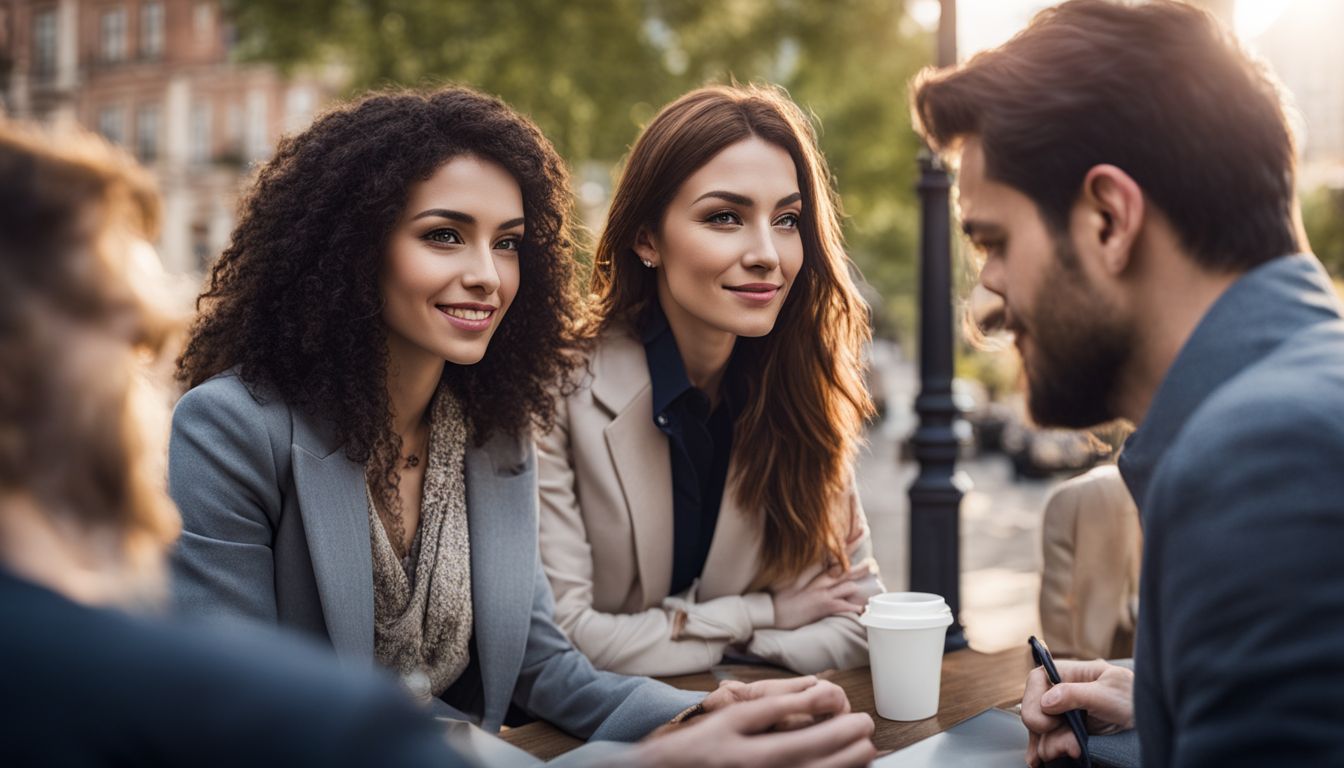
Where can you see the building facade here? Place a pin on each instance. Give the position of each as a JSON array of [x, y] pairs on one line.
[[1303, 47], [159, 78]]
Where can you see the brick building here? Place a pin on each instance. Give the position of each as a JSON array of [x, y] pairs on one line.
[[159, 77]]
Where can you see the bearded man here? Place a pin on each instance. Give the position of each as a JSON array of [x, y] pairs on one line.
[[1127, 173]]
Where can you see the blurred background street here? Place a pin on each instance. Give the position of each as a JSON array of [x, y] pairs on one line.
[[1000, 546], [1000, 522]]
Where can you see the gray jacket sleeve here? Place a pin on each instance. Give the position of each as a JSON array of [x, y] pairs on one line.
[[1243, 533], [559, 684], [223, 475]]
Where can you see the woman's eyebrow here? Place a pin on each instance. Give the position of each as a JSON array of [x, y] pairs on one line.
[[746, 202], [444, 213], [731, 197]]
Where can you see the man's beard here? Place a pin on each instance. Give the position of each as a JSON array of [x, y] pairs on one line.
[[1079, 348]]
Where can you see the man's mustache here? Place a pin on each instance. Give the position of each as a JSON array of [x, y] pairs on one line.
[[989, 312], [986, 320]]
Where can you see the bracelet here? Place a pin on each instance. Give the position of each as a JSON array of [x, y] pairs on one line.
[[687, 714], [678, 623]]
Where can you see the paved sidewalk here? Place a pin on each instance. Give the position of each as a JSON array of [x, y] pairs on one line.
[[1000, 535]]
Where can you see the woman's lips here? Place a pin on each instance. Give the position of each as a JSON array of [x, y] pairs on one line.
[[755, 293], [468, 317]]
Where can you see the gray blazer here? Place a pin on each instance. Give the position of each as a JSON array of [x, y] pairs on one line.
[[276, 528], [1238, 471]]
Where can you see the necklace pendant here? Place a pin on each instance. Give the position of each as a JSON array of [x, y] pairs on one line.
[[412, 461]]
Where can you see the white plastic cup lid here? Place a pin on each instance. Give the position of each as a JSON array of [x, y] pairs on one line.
[[906, 610]]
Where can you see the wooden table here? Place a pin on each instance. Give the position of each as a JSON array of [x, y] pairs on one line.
[[972, 683]]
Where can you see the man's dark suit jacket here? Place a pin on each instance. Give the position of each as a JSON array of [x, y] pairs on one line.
[[84, 686], [1238, 471]]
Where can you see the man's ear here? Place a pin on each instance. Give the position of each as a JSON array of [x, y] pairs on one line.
[[1109, 217], [645, 248]]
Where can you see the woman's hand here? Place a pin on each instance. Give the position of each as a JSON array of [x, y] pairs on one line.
[[826, 594], [732, 692], [800, 721]]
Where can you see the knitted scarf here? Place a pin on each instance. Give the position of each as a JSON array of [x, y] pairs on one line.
[[422, 612]]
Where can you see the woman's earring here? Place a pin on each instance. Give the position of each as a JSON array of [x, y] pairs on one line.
[[647, 263]]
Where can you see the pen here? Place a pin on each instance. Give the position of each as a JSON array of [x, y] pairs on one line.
[[1074, 717]]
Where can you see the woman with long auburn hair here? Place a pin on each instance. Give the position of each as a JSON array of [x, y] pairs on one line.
[[698, 489]]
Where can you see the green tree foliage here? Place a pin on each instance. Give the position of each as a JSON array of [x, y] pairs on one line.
[[592, 72], [1323, 217]]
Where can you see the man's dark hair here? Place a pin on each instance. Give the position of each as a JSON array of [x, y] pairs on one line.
[[1160, 90]]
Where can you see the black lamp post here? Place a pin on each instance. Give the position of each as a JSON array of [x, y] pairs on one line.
[[935, 496]]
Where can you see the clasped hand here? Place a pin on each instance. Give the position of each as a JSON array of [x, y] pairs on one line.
[[813, 596], [799, 721]]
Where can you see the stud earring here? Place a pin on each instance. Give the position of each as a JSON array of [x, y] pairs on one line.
[[647, 263]]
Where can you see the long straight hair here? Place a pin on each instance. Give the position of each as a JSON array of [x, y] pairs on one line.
[[797, 435]]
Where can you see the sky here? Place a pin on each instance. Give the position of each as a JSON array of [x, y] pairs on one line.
[[985, 23]]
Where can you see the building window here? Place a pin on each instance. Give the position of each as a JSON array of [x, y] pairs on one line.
[[203, 19], [198, 148], [151, 30], [300, 101], [114, 35], [200, 245], [233, 132], [147, 133], [44, 43], [255, 146], [112, 124]]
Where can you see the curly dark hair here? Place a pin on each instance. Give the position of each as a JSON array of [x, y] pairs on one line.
[[294, 300]]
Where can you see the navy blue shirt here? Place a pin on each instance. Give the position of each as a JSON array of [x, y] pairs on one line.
[[90, 686], [699, 441]]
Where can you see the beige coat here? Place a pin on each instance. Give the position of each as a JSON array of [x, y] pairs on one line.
[[1092, 547], [606, 543]]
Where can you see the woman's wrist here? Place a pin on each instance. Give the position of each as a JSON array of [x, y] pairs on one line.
[[760, 609], [690, 712]]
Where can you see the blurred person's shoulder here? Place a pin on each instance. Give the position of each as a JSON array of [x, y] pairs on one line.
[[98, 686], [1099, 485]]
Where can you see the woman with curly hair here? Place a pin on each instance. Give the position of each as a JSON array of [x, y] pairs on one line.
[[353, 458], [697, 489]]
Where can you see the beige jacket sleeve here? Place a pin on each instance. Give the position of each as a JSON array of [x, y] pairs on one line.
[[679, 637], [1091, 552], [835, 642]]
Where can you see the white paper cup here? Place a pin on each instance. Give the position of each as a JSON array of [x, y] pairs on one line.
[[906, 631]]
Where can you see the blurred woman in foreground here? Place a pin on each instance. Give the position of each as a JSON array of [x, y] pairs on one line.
[[85, 520]]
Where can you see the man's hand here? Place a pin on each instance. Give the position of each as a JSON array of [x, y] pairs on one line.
[[747, 731], [1104, 690]]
